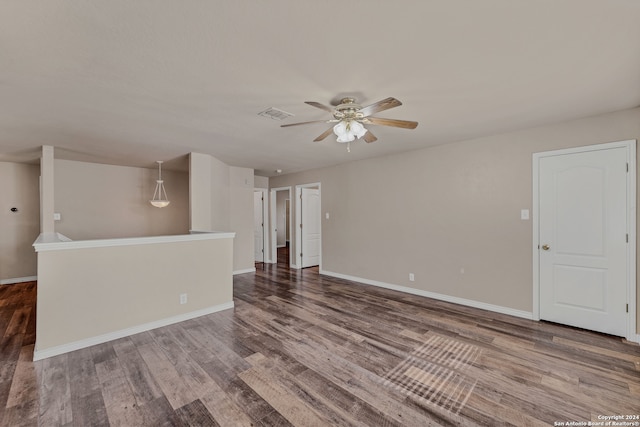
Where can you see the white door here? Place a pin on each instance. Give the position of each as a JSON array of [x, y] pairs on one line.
[[258, 226], [583, 239], [310, 227]]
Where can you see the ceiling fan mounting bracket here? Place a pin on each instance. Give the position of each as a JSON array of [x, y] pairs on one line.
[[348, 110]]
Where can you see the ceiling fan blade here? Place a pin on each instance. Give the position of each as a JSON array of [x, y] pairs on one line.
[[325, 134], [304, 123], [385, 104], [369, 137], [406, 124], [320, 106]]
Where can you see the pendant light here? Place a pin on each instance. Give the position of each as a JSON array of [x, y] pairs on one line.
[[160, 199]]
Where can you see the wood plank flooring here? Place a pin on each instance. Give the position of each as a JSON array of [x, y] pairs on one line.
[[308, 350]]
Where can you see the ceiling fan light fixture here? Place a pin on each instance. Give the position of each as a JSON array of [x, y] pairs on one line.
[[349, 130], [346, 138], [351, 117], [357, 129]]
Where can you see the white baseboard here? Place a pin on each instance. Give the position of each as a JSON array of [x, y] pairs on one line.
[[18, 280], [441, 297], [246, 270], [77, 345]]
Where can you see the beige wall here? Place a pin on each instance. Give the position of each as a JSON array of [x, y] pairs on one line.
[[91, 292], [220, 195], [99, 201], [241, 217], [200, 192], [19, 189], [222, 200], [435, 211], [47, 163], [260, 181]]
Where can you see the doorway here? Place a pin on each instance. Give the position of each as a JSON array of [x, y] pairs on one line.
[[584, 236], [259, 229], [281, 225], [308, 249]]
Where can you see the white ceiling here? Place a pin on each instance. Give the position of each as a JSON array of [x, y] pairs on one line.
[[130, 82]]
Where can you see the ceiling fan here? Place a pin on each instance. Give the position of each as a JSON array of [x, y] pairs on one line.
[[350, 118]]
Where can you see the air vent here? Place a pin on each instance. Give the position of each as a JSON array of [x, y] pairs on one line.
[[275, 114]]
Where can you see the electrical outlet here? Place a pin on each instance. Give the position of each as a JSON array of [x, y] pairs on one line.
[[183, 298], [412, 277]]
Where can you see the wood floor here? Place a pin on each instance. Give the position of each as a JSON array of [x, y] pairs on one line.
[[308, 350]]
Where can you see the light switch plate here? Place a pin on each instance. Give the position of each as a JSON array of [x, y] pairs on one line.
[[524, 214]]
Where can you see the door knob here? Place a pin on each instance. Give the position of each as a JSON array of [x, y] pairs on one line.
[[545, 247]]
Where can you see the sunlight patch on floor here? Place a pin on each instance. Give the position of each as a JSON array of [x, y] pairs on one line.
[[434, 372]]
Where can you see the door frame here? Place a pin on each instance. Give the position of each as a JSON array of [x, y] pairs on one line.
[[297, 234], [272, 229], [630, 146], [265, 223]]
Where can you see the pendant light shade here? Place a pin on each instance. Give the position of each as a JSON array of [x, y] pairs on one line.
[[160, 199]]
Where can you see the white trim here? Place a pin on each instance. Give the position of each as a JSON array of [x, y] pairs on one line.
[[632, 209], [441, 297], [18, 280], [57, 241], [630, 145], [88, 342], [274, 222], [246, 270], [207, 232]]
